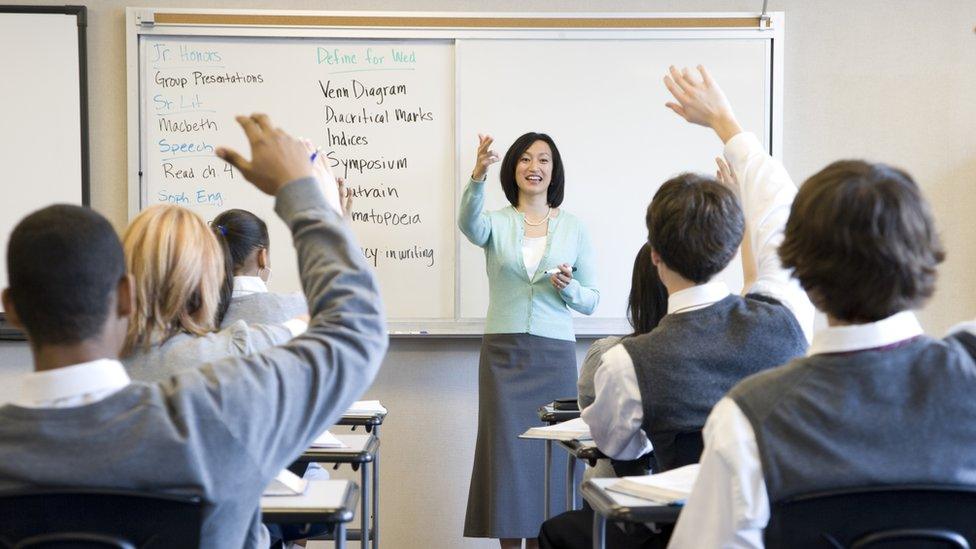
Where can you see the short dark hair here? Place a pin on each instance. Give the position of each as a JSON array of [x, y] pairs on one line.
[[695, 224], [648, 302], [861, 241], [554, 195], [63, 264]]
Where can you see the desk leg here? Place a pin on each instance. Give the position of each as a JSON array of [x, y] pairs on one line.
[[599, 531], [545, 481], [570, 482], [364, 507], [340, 535], [376, 493]]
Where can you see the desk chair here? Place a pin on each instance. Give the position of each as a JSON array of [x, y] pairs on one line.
[[876, 517], [98, 519]]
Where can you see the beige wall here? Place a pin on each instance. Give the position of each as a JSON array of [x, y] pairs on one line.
[[884, 80]]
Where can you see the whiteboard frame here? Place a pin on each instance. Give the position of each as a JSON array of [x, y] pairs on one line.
[[142, 22]]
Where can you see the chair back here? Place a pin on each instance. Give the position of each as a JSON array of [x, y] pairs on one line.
[[686, 449], [889, 517], [98, 519]]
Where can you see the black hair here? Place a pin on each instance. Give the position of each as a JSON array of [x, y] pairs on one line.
[[648, 302], [63, 262], [695, 224], [554, 195], [240, 233], [862, 242]]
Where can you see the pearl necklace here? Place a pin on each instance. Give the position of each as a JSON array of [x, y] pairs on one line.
[[543, 220]]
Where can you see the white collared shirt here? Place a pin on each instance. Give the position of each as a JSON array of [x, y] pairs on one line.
[[767, 192], [66, 387], [247, 285], [729, 505]]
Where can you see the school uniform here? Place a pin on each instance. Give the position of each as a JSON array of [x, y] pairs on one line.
[[253, 303], [858, 411], [587, 393], [224, 430], [652, 387]]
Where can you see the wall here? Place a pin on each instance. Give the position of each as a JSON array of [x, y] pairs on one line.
[[883, 80]]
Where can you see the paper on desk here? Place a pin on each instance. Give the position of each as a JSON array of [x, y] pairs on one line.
[[574, 429], [327, 440], [672, 486], [366, 408], [286, 484]]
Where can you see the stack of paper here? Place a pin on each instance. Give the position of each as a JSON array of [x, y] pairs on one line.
[[366, 408], [327, 440], [573, 429], [671, 487], [286, 484]]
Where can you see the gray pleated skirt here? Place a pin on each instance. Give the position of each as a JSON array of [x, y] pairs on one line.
[[517, 374]]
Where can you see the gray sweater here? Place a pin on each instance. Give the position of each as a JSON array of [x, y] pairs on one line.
[[265, 308], [183, 351], [224, 430]]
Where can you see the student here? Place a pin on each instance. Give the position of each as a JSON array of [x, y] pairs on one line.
[[247, 249], [221, 432], [173, 326], [646, 305], [654, 387], [862, 243]]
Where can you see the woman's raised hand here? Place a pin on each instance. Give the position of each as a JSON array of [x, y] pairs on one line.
[[486, 157]]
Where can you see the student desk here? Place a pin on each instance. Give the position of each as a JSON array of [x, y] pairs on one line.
[[324, 501], [370, 422], [578, 450], [361, 453], [618, 507], [549, 416]]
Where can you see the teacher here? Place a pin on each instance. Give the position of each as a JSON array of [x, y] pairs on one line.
[[540, 265]]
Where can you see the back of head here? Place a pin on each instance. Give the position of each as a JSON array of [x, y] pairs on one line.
[[63, 262], [648, 302], [244, 233], [861, 241], [178, 268], [695, 224]]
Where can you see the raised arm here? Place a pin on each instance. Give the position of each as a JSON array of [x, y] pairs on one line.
[[472, 220], [726, 177], [765, 187], [275, 403]]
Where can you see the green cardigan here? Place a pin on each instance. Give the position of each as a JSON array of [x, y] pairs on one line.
[[518, 304]]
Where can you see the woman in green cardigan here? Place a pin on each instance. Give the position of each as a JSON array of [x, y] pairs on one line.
[[540, 265]]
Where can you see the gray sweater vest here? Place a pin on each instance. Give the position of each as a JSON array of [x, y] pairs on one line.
[[686, 364], [893, 415]]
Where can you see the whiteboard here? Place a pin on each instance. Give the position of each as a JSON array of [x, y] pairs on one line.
[[397, 110], [44, 145]]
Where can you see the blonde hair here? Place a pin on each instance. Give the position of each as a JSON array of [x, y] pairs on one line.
[[178, 268]]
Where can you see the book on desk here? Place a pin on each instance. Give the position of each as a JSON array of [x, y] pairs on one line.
[[574, 429], [668, 488]]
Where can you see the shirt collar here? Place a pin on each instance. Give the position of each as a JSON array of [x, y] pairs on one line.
[[41, 389], [697, 297], [247, 285], [859, 337]]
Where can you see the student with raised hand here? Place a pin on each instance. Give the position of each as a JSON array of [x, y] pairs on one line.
[[862, 242], [178, 269], [540, 266], [222, 431], [652, 388]]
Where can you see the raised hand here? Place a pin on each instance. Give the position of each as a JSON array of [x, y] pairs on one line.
[[726, 176], [701, 101], [486, 157], [346, 197], [324, 174], [276, 157]]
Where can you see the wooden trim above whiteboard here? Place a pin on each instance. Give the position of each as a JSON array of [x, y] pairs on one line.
[[245, 19]]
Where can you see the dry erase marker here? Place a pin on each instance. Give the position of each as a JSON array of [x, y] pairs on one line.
[[557, 270], [315, 155]]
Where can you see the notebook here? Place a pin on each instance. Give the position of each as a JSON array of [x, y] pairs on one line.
[[366, 408], [286, 484], [573, 429], [328, 440], [670, 488]]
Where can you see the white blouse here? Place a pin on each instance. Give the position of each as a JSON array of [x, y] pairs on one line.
[[532, 251]]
